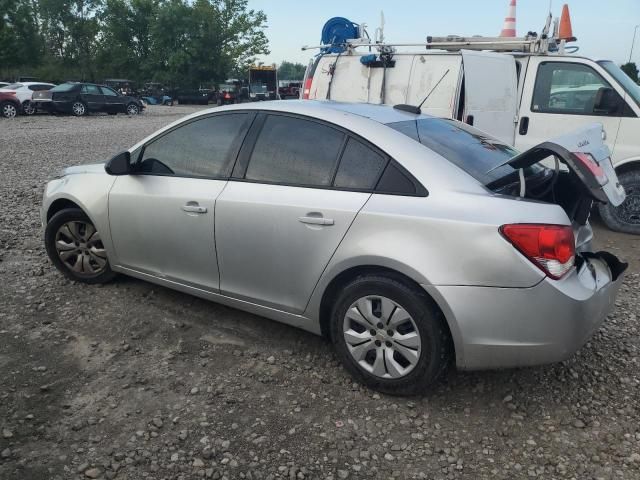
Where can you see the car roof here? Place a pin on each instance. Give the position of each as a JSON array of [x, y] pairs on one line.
[[379, 113]]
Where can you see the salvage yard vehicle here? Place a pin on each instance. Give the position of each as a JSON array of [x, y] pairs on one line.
[[9, 105], [24, 92], [80, 99], [263, 83], [521, 90], [194, 96], [406, 239]]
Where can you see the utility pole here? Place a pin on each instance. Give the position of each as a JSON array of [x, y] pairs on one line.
[[635, 30]]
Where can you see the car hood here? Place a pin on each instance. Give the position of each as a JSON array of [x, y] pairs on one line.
[[91, 168]]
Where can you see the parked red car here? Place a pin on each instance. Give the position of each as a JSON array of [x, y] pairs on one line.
[[9, 105]]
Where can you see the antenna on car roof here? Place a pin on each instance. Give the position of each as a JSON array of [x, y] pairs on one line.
[[413, 108]]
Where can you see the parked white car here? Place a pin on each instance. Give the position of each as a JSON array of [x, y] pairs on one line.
[[24, 91], [520, 98]]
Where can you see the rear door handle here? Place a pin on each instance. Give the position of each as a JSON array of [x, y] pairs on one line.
[[193, 207], [316, 220]]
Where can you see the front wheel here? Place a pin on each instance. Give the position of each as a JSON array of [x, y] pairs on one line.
[[133, 109], [8, 109], [389, 336], [75, 247], [626, 217]]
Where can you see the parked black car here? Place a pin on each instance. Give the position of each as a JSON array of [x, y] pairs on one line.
[[199, 97], [81, 98]]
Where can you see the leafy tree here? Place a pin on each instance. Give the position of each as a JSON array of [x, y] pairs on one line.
[[630, 69], [291, 71], [20, 42]]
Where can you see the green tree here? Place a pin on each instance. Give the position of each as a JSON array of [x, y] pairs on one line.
[[630, 69], [20, 41], [291, 71]]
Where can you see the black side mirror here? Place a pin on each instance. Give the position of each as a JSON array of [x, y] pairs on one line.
[[119, 164], [606, 101]]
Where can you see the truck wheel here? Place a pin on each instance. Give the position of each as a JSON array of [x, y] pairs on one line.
[[626, 217]]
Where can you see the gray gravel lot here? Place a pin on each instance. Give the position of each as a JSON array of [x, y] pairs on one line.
[[132, 381]]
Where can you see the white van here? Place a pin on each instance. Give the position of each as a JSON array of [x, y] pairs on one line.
[[522, 99]]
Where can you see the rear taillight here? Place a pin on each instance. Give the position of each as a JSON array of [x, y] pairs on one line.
[[307, 88], [588, 161], [226, 95], [550, 247]]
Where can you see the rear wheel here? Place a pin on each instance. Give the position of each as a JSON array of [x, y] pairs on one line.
[[626, 217], [28, 108], [75, 247], [8, 109], [389, 336], [78, 108]]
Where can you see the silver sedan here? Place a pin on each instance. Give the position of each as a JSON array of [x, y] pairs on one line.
[[409, 241]]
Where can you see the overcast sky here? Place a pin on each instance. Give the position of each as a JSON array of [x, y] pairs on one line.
[[604, 28]]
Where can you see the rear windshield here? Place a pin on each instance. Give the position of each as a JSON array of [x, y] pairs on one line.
[[65, 87], [468, 148], [14, 86]]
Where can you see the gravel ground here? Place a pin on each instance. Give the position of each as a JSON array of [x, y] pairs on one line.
[[132, 381]]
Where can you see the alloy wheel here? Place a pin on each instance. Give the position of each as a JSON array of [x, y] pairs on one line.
[[132, 109], [28, 108], [78, 108], [629, 211], [382, 337], [9, 110], [80, 248]]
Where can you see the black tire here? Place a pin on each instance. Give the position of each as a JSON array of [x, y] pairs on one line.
[[51, 230], [626, 217], [132, 109], [78, 108], [436, 346], [29, 108], [8, 109]]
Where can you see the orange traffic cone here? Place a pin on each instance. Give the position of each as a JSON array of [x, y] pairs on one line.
[[565, 32], [509, 27]]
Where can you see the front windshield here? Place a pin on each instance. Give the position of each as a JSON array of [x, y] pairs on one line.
[[258, 88], [468, 148], [631, 87]]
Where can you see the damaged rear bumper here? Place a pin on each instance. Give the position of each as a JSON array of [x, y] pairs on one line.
[[512, 327]]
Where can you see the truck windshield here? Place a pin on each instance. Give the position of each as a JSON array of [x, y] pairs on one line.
[[631, 87], [468, 148]]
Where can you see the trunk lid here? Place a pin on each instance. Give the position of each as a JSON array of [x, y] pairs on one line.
[[42, 96], [587, 158]]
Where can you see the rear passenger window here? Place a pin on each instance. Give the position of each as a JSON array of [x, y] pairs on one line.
[[91, 90], [295, 151], [395, 181], [202, 148], [360, 167]]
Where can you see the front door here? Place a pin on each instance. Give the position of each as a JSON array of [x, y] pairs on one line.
[[561, 96], [280, 221], [162, 217], [92, 97], [113, 101], [490, 93]]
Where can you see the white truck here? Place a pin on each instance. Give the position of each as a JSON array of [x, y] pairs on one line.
[[522, 91]]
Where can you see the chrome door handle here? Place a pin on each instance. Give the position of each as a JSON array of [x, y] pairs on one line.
[[316, 220], [194, 208]]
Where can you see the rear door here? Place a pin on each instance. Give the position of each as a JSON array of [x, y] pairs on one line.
[[288, 206], [490, 93], [92, 97]]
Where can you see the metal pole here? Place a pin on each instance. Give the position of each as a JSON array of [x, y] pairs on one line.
[[635, 30]]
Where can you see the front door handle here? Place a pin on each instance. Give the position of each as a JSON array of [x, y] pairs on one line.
[[193, 207], [313, 220], [524, 126]]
